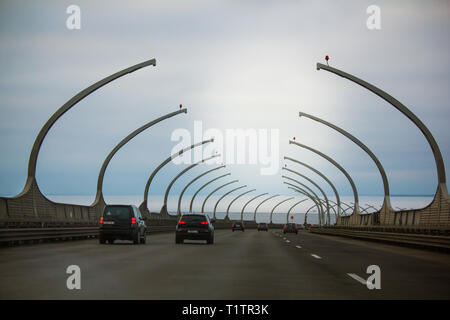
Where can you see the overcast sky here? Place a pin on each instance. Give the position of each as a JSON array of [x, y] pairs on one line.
[[233, 64]]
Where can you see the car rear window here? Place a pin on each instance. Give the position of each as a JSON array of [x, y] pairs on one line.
[[117, 212], [193, 218]]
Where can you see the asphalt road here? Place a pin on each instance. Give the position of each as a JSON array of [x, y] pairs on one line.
[[240, 265]]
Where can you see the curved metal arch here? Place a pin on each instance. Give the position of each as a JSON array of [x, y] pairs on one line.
[[337, 165], [203, 186], [336, 204], [317, 186], [302, 191], [364, 209], [312, 197], [313, 193], [387, 199], [248, 202], [265, 200], [332, 208], [232, 201], [191, 182], [293, 206], [323, 176], [307, 211], [143, 205], [343, 212], [278, 204], [217, 189], [101, 175], [166, 195], [32, 162], [217, 203], [440, 168], [370, 206]]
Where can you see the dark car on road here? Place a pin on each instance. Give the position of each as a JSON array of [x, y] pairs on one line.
[[290, 228], [238, 226], [195, 227], [122, 222], [263, 226]]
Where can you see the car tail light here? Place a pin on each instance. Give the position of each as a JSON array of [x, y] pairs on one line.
[[181, 222], [258, 225], [101, 220], [295, 227], [204, 222], [133, 220], [285, 227], [233, 225]]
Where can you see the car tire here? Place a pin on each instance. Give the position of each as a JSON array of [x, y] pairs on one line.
[[101, 240], [210, 240], [232, 230], [136, 238], [178, 240], [144, 239]]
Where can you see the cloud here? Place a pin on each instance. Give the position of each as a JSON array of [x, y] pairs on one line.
[[234, 65]]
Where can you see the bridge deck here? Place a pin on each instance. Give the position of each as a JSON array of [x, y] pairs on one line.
[[249, 265]]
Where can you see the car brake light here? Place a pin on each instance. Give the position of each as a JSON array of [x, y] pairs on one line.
[[295, 227], [285, 227], [204, 222], [101, 220], [181, 222], [133, 220]]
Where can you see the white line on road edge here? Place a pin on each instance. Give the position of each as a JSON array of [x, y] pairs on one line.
[[298, 247], [316, 256], [357, 278]]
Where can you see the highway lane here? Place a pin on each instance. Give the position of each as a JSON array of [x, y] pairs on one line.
[[240, 265], [406, 273]]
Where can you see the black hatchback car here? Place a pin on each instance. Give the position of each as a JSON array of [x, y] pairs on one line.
[[263, 226], [290, 228], [238, 226], [123, 222], [195, 227]]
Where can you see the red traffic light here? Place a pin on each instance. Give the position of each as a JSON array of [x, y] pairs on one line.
[[181, 106], [327, 57], [294, 138]]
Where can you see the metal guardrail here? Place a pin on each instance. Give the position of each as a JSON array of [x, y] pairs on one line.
[[16, 235], [37, 234], [427, 230], [34, 234], [425, 241]]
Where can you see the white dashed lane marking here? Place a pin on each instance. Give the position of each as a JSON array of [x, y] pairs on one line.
[[316, 256], [298, 247], [357, 278]]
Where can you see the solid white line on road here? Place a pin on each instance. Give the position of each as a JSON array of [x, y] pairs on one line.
[[357, 278], [287, 241], [298, 247], [316, 256]]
